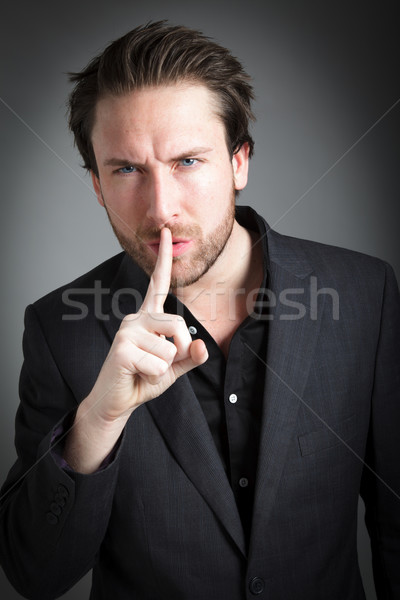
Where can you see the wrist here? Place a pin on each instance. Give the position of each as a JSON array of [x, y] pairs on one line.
[[92, 413], [91, 438]]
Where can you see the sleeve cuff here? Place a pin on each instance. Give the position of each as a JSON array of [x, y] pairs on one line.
[[60, 432]]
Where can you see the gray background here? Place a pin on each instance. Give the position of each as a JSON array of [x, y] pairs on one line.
[[326, 162]]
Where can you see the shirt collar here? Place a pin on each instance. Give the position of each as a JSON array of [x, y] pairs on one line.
[[246, 217], [251, 220]]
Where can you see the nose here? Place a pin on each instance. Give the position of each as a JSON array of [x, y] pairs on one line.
[[163, 204]]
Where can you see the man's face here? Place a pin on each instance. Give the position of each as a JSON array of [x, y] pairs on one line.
[[162, 161]]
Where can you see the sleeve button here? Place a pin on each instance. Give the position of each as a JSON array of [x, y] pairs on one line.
[[62, 490], [55, 509], [51, 518], [60, 500]]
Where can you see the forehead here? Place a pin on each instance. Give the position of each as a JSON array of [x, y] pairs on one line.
[[157, 122], [155, 106]]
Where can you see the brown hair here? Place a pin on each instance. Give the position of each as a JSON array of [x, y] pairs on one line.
[[162, 54]]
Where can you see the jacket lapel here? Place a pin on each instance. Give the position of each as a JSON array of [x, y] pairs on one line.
[[291, 344], [177, 413], [181, 421]]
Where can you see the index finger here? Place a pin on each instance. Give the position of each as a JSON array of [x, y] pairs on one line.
[[160, 280]]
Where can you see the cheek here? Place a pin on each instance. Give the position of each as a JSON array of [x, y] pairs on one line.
[[212, 187], [218, 194], [120, 193], [124, 210]]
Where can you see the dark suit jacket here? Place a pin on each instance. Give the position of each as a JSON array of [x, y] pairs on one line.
[[160, 521]]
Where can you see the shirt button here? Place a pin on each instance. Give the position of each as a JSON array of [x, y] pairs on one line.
[[233, 398], [243, 482], [192, 330]]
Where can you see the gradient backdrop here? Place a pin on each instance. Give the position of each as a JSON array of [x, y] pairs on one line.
[[327, 143]]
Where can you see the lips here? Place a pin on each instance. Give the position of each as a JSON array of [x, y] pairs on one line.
[[179, 246]]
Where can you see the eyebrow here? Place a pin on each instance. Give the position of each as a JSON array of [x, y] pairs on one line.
[[117, 162], [193, 152]]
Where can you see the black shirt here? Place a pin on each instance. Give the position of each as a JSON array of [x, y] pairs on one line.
[[230, 391]]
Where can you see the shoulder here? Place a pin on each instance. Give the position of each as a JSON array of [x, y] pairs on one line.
[[87, 291], [104, 272], [363, 283], [302, 258], [329, 262]]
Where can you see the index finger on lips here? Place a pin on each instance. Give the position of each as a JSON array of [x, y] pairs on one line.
[[160, 280]]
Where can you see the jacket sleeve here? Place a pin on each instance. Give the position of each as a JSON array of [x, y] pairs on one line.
[[52, 521], [381, 478]]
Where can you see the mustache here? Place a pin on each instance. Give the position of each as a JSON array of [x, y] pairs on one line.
[[183, 231]]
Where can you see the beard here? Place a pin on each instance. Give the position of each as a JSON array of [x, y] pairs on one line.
[[186, 270]]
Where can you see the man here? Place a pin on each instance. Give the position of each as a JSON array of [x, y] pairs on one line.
[[200, 413]]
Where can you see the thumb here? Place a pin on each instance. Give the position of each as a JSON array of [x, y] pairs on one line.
[[198, 356]]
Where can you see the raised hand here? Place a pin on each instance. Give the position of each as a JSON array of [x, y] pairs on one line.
[[142, 363], [140, 366]]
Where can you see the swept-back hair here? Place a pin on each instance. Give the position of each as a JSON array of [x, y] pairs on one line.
[[160, 54]]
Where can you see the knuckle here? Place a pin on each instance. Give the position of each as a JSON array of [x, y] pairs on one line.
[[130, 318], [123, 338], [153, 379], [181, 323], [176, 320], [171, 351], [164, 366], [159, 369], [155, 316], [119, 338], [121, 353], [179, 319]]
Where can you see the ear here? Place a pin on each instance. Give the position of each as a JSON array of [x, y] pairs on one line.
[[97, 188], [240, 164]]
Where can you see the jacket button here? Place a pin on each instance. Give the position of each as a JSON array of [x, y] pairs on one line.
[[51, 518], [256, 586]]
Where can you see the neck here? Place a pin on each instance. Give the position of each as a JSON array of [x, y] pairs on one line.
[[236, 272]]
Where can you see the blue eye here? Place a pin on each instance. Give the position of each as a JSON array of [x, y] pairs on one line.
[[128, 169], [188, 162]]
